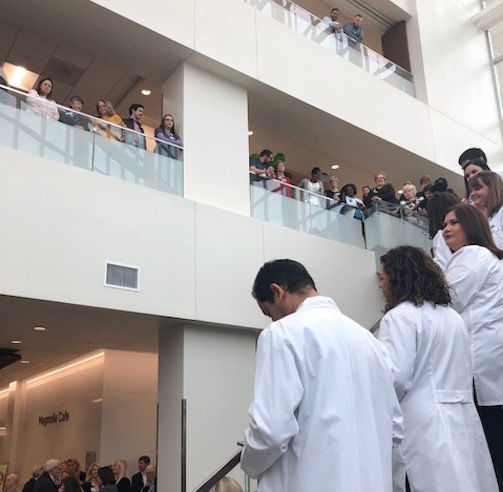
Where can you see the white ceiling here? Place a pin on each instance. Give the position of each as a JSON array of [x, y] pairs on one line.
[[70, 332]]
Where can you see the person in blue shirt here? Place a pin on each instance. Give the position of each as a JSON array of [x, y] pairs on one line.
[[354, 29]]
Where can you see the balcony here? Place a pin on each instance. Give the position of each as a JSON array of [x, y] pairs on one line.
[[312, 27]]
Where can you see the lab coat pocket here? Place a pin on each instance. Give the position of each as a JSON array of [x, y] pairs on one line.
[[453, 396]]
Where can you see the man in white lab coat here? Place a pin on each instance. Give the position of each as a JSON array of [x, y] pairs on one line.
[[324, 415]]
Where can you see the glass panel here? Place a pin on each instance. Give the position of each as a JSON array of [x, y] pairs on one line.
[[90, 143], [303, 211], [385, 230], [312, 27]]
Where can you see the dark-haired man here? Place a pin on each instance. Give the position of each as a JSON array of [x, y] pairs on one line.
[[332, 21], [324, 414], [134, 123], [139, 479], [261, 164]]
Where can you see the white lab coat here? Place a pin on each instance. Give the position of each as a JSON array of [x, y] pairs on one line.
[[324, 415], [496, 226], [444, 447], [441, 252], [476, 278]]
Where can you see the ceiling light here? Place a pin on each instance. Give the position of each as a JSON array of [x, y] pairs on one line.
[[98, 400], [39, 328], [335, 166], [25, 362], [400, 192], [146, 92], [15, 342], [19, 77], [250, 133]]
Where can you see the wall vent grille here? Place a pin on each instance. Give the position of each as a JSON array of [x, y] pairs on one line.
[[122, 276]]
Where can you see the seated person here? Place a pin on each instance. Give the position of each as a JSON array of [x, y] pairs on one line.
[[75, 119]]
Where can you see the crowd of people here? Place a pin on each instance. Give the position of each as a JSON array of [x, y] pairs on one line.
[[412, 202], [66, 476], [106, 122], [417, 408]]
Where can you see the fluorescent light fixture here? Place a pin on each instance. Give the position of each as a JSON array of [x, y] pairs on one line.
[[98, 400], [19, 77], [39, 328], [250, 133], [335, 166], [25, 361], [65, 368], [16, 342], [146, 92]]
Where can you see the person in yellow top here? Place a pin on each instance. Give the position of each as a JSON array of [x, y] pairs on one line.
[[107, 112]]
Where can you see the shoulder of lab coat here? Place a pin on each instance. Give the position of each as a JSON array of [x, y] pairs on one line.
[[466, 272], [272, 412], [441, 252]]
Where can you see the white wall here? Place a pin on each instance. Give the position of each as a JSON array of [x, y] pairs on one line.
[[129, 409], [74, 391], [196, 262], [212, 368]]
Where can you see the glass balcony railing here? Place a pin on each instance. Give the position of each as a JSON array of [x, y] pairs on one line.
[[378, 228], [293, 207], [94, 144], [309, 25]]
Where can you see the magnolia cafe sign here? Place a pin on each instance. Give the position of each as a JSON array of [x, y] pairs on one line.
[[54, 418]]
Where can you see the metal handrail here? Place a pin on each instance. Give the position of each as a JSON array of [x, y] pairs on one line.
[[222, 471], [98, 120], [319, 20]]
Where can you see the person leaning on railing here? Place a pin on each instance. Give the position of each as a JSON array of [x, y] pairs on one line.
[[106, 112], [280, 175], [382, 191], [39, 99], [72, 118], [166, 133]]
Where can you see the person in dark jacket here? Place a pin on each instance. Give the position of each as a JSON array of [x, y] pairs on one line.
[[106, 479], [134, 123], [35, 473], [139, 480], [382, 191], [49, 480]]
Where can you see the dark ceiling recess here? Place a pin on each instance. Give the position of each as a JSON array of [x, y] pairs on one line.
[[8, 356]]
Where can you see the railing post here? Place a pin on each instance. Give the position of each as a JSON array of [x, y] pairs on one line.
[[183, 473]]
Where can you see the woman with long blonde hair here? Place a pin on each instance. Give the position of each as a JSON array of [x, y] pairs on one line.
[[122, 482]]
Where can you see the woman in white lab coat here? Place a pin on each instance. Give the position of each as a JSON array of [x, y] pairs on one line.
[[443, 447], [486, 193], [475, 274], [437, 207]]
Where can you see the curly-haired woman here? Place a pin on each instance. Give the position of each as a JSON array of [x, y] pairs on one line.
[[443, 449]]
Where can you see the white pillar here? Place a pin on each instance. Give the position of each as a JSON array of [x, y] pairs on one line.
[[211, 114], [212, 368]]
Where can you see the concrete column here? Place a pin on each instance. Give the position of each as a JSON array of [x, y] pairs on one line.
[[212, 368], [211, 114]]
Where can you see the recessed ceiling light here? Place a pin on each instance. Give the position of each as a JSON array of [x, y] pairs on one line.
[[16, 341], [25, 362], [97, 400], [39, 328], [335, 166], [250, 133], [146, 92]]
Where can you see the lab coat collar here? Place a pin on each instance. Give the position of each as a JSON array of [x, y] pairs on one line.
[[317, 302]]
